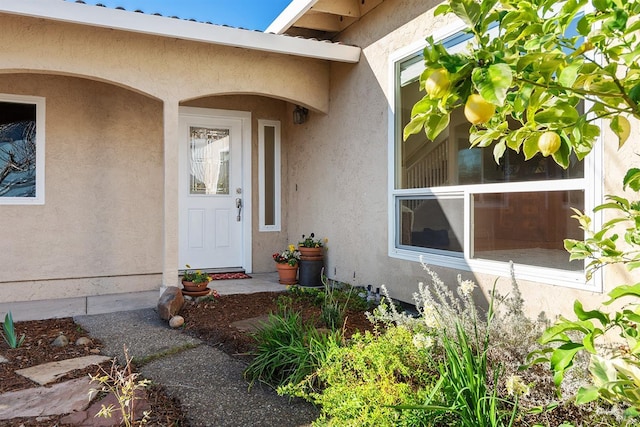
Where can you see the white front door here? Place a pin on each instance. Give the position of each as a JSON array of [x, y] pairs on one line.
[[211, 190]]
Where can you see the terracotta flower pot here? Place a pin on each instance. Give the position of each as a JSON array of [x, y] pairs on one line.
[[311, 254], [194, 287], [288, 274]]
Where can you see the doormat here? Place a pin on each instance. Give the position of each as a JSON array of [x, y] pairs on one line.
[[229, 276]]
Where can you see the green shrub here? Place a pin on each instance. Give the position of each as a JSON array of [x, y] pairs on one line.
[[361, 381], [288, 350]]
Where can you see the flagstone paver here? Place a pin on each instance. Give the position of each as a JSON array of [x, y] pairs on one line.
[[61, 398], [250, 325], [49, 372], [89, 418]]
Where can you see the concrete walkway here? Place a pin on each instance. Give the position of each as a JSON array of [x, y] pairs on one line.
[[207, 381]]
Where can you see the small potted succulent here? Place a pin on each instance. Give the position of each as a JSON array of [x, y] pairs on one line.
[[195, 280], [287, 265]]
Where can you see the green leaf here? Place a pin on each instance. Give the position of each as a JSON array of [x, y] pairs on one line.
[[414, 126], [602, 5], [558, 331], [562, 359], [493, 82], [602, 370], [435, 124], [587, 394], [584, 26], [422, 106], [530, 146], [634, 92], [587, 315], [623, 291], [442, 9], [589, 343], [561, 156], [498, 151], [617, 126], [569, 75], [467, 10], [618, 21], [632, 179], [561, 113]]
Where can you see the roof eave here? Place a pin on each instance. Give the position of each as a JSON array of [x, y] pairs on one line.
[[290, 15], [181, 29]]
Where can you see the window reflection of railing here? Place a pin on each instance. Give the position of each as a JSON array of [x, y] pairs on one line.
[[432, 170]]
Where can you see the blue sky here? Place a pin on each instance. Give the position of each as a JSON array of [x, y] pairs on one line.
[[250, 14]]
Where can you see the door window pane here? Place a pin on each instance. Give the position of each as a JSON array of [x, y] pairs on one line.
[[432, 223], [209, 161], [526, 228]]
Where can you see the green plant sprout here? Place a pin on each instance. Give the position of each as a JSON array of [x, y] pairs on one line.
[[10, 336]]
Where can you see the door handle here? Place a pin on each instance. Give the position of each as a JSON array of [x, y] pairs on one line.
[[239, 207]]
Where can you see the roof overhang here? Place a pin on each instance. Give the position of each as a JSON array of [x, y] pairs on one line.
[[77, 13], [324, 17]]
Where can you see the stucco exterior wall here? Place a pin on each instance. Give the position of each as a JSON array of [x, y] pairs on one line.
[[100, 230], [110, 222], [340, 166], [166, 68]]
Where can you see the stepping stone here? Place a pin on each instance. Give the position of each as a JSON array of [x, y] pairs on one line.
[[250, 325], [88, 418], [58, 399], [49, 372]]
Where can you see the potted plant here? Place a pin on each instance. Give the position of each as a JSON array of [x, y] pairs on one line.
[[287, 265], [311, 249], [195, 280]]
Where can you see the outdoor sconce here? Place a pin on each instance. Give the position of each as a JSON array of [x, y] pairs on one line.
[[300, 115]]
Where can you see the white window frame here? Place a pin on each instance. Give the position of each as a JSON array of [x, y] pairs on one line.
[[277, 161], [39, 102], [591, 184]]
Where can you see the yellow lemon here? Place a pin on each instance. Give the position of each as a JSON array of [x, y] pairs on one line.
[[549, 143], [478, 110], [625, 129], [438, 83]]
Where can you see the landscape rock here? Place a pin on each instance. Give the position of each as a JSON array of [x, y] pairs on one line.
[[49, 372], [170, 303], [88, 418], [176, 321], [61, 341], [61, 398], [83, 341]]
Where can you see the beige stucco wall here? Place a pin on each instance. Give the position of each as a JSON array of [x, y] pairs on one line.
[[340, 166], [163, 67], [100, 229], [110, 221]]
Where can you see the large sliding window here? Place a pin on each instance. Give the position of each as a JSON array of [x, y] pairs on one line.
[[455, 206]]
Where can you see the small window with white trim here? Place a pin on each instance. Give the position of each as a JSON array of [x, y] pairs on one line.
[[269, 174], [21, 150], [456, 207]]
